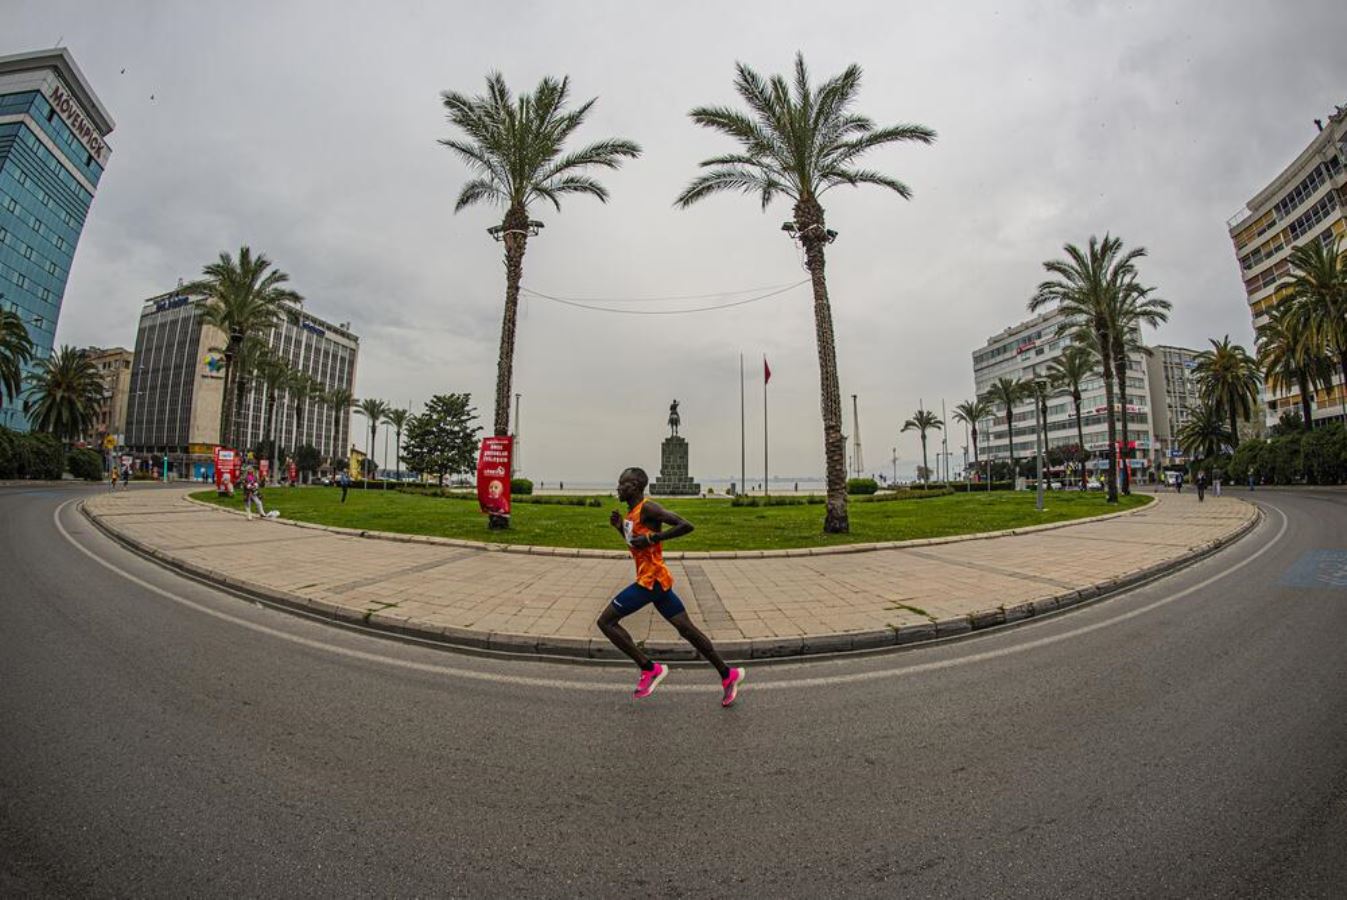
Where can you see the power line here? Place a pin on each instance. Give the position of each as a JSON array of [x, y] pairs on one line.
[[664, 312], [769, 287]]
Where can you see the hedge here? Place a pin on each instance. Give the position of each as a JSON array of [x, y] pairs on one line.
[[86, 464], [1313, 457], [29, 455], [862, 485]]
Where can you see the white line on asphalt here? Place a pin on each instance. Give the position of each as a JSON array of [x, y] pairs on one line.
[[525, 681]]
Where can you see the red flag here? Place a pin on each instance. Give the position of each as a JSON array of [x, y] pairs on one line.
[[766, 371]]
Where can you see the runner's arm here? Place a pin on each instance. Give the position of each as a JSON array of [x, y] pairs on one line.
[[655, 516]]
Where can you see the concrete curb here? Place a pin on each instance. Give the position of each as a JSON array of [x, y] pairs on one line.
[[680, 555], [599, 649]]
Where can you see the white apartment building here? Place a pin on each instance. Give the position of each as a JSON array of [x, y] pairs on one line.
[[1024, 351], [1173, 393], [1306, 202]]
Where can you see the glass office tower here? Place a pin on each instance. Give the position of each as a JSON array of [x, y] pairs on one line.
[[52, 155]]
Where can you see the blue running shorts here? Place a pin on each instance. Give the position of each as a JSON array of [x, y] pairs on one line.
[[635, 597]]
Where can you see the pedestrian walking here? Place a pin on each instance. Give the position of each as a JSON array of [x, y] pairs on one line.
[[126, 476], [1201, 486], [252, 494], [643, 530], [1178, 484], [1216, 482], [344, 479], [1251, 481]]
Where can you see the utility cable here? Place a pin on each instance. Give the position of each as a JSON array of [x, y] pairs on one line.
[[664, 312]]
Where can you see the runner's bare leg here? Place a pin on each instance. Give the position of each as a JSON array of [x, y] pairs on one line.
[[694, 636], [610, 623]]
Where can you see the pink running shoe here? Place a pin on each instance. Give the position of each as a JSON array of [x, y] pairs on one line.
[[731, 685], [650, 680]]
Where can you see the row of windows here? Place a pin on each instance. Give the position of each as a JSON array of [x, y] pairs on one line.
[[22, 213], [12, 103], [45, 156], [1311, 183], [1313, 216], [14, 250], [68, 210], [49, 121], [24, 180]]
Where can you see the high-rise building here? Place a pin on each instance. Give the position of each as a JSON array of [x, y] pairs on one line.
[[53, 150], [114, 367], [1173, 397], [177, 387], [1306, 202], [1023, 352]]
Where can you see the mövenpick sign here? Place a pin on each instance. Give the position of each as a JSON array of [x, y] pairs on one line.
[[493, 475], [79, 123]]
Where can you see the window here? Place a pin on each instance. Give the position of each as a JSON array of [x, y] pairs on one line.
[[27, 252]]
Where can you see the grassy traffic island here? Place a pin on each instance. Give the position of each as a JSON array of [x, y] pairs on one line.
[[720, 526]]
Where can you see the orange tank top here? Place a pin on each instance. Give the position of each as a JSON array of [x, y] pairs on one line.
[[650, 567]]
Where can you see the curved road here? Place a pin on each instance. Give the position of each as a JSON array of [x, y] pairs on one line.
[[160, 737]]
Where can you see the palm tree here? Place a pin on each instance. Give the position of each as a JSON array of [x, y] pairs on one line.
[[1133, 307], [398, 419], [373, 410], [1290, 357], [1227, 379], [301, 388], [339, 400], [922, 421], [244, 298], [252, 355], [1088, 289], [971, 412], [515, 152], [1204, 435], [16, 350], [1077, 364], [1319, 284], [1007, 392], [274, 373], [800, 142], [64, 394]]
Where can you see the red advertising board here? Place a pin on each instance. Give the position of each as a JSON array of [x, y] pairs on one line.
[[493, 475], [263, 468], [227, 462], [292, 472]]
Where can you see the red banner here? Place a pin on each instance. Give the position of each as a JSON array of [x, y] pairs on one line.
[[493, 475], [263, 468], [228, 463], [292, 472]]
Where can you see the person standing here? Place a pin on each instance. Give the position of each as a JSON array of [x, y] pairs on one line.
[[1201, 485], [252, 494], [643, 530], [344, 479]]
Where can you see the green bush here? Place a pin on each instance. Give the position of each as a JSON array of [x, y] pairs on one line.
[[907, 494], [862, 486], [520, 486], [9, 453], [39, 456], [1323, 453], [86, 464]]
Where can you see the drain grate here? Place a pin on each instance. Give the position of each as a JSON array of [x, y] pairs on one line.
[[1318, 569]]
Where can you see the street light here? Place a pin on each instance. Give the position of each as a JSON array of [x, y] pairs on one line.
[[498, 232], [797, 234]]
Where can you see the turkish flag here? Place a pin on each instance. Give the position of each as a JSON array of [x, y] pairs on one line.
[[766, 371]]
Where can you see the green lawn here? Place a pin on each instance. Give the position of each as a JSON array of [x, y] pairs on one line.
[[719, 525]]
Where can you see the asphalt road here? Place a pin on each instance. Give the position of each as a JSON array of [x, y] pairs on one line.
[[158, 737]]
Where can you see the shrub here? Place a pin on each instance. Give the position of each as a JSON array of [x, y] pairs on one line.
[[86, 464], [43, 457], [521, 486], [1323, 453], [862, 486], [9, 453]]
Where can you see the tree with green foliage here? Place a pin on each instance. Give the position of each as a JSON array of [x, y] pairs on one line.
[[16, 351], [1007, 392], [64, 395], [1133, 307], [339, 400], [1227, 380], [374, 411], [971, 412], [245, 298], [398, 419], [1205, 434], [1318, 284], [301, 389], [515, 150], [1290, 356], [274, 373], [799, 141], [443, 440], [923, 420], [1090, 288], [1069, 372], [308, 459]]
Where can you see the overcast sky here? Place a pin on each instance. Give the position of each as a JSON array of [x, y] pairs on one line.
[[308, 130]]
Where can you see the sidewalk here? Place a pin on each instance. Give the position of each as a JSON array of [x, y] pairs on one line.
[[751, 607]]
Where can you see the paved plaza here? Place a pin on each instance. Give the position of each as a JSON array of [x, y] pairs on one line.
[[753, 605]]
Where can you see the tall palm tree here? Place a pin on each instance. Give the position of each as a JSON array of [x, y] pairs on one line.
[[1227, 379], [1007, 392], [302, 388], [799, 142], [245, 298], [252, 355], [373, 410], [1087, 287], [274, 373], [1290, 356], [971, 412], [16, 350], [1319, 285], [1038, 390], [1204, 434], [339, 400], [515, 150], [1077, 364], [398, 419], [1133, 307], [922, 421], [64, 394]]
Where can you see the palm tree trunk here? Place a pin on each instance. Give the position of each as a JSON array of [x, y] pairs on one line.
[[976, 468], [1126, 451], [1010, 442], [225, 403], [1111, 417], [240, 394], [925, 469], [516, 239], [1234, 428], [813, 235], [1305, 411], [1080, 438]]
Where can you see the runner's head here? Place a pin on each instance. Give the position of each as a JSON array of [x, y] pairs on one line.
[[631, 484]]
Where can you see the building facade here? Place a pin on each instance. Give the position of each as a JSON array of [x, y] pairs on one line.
[[114, 367], [177, 387], [1023, 352], [1304, 203], [53, 150], [1173, 398]]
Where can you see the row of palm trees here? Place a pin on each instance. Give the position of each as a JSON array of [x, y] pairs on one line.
[[795, 140], [62, 395], [379, 412]]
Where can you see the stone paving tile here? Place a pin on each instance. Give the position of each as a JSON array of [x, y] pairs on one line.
[[438, 585]]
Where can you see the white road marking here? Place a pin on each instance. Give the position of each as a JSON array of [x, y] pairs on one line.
[[526, 681]]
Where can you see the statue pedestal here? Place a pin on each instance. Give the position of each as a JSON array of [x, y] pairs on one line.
[[673, 480]]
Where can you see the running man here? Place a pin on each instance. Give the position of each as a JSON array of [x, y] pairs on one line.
[[643, 530]]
